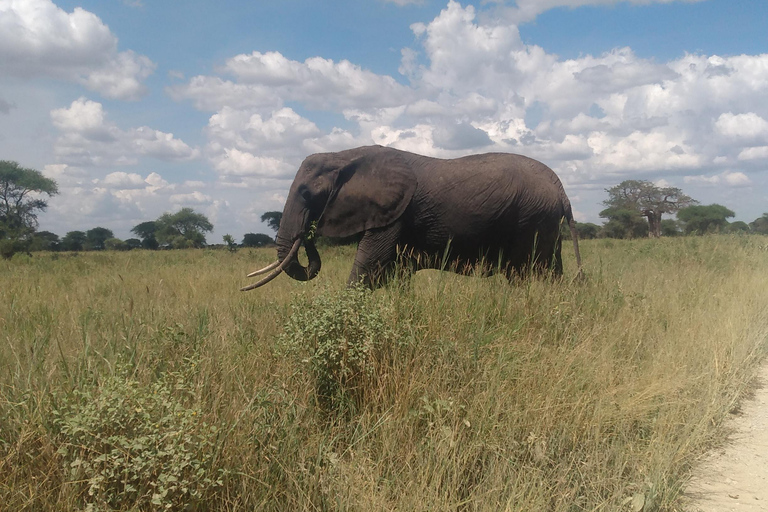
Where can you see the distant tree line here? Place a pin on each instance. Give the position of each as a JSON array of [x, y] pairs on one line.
[[22, 192], [184, 229], [634, 209]]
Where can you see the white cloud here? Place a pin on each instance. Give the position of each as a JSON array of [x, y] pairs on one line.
[[37, 38], [737, 179], [213, 93], [528, 10], [251, 131], [749, 127], [191, 198], [733, 179], [120, 179], [318, 82], [87, 138], [757, 153], [267, 80], [118, 200], [475, 85], [241, 163]]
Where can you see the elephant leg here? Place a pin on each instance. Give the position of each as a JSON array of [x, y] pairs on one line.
[[377, 256], [548, 260]]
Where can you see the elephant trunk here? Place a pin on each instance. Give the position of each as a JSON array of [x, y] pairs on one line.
[[293, 267], [293, 226], [289, 263]]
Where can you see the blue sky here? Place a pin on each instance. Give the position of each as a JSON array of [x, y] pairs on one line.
[[141, 107]]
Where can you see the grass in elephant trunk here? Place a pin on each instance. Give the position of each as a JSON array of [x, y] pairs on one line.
[[545, 396]]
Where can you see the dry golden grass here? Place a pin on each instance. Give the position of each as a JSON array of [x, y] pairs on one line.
[[542, 396]]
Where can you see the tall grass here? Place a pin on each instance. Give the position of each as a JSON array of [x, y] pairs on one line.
[[478, 395]]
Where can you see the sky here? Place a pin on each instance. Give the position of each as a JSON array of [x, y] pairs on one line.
[[141, 107]]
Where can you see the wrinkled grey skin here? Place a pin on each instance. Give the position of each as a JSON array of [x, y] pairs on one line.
[[498, 209]]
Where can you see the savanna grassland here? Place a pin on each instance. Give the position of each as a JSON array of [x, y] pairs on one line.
[[147, 381]]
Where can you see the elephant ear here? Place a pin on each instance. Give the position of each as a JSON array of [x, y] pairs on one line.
[[370, 192]]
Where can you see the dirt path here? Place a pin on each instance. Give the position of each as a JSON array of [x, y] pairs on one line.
[[735, 477]]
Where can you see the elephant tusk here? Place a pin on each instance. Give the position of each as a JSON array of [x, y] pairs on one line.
[[264, 281], [265, 269], [278, 270]]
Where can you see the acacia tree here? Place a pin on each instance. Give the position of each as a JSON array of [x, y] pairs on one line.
[[760, 225], [96, 238], [45, 241], [272, 219], [73, 241], [699, 220], [20, 202], [183, 229], [146, 231], [647, 200], [257, 240]]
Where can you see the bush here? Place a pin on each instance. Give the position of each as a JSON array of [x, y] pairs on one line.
[[10, 247], [338, 336], [135, 446], [115, 244]]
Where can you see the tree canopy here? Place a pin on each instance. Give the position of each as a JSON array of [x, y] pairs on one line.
[[760, 225], [624, 223], [96, 238], [44, 241], [257, 240], [183, 229], [670, 227], [699, 220], [587, 230], [272, 219], [146, 231], [647, 200], [73, 241], [20, 202]]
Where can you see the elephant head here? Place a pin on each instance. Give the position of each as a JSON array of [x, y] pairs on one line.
[[340, 194]]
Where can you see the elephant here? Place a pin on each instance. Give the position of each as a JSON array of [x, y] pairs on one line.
[[414, 212]]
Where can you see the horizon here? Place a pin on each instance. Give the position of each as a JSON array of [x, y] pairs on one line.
[[137, 108]]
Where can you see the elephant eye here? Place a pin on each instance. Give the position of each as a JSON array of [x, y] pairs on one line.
[[306, 195]]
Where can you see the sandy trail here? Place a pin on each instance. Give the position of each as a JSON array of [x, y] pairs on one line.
[[735, 477]]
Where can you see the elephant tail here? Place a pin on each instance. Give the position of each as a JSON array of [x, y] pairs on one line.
[[575, 237], [568, 214]]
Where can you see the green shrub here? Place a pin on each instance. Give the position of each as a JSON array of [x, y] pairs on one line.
[[132, 446], [338, 336], [10, 246]]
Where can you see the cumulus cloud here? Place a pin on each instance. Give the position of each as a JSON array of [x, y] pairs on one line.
[[87, 138], [269, 79], [748, 127], [192, 198], [732, 179], [242, 163], [756, 153], [121, 200], [472, 84], [121, 180], [37, 38], [460, 136]]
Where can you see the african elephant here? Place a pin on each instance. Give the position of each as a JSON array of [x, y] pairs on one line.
[[501, 209]]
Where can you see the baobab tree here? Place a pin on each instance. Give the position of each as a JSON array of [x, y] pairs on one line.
[[646, 199]]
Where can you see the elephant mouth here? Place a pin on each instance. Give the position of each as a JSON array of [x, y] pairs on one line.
[[290, 265]]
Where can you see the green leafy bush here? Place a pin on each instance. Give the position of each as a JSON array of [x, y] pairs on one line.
[[338, 336], [132, 446]]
